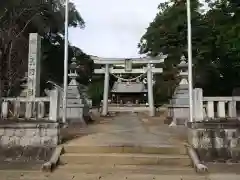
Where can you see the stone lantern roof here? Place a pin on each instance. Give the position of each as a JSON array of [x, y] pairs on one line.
[[183, 64], [24, 82], [24, 85], [181, 92], [73, 69], [73, 65], [183, 67]]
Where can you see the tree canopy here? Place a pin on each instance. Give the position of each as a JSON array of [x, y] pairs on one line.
[[215, 44], [18, 18]]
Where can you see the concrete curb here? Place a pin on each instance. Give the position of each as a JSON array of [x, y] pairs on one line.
[[200, 168], [52, 163]]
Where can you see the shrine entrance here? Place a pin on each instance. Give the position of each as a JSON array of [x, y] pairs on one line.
[[129, 94], [128, 98]]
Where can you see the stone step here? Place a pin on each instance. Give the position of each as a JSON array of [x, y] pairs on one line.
[[21, 165], [125, 159], [125, 169], [11, 175], [73, 148], [227, 168]]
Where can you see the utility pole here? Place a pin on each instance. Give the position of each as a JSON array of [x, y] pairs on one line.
[[190, 84], [65, 80]]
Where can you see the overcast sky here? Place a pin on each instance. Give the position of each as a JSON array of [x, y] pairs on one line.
[[113, 27]]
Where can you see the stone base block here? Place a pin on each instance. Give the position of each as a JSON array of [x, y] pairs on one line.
[[178, 121], [216, 144], [29, 134], [178, 112], [24, 155]]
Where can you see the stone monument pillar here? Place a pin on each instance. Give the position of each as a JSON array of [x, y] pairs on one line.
[[34, 56]]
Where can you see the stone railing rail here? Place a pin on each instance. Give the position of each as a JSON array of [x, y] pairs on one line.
[[44, 108], [225, 106]]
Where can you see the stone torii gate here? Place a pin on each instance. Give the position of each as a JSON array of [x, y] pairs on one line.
[[109, 69]]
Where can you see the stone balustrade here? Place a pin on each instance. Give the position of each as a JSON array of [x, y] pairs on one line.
[[220, 107], [215, 134], [213, 107], [42, 108]]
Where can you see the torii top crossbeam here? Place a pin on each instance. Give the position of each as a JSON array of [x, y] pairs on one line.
[[145, 60]]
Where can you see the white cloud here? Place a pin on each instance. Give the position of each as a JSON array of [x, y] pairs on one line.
[[113, 28]]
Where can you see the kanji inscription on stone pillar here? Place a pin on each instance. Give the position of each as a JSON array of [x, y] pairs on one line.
[[34, 56]]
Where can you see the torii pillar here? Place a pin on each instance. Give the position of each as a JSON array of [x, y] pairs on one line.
[[150, 90], [106, 91]]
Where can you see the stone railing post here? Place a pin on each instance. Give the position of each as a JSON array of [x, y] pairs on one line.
[[198, 104], [210, 109], [17, 108], [4, 109], [40, 110], [54, 105], [221, 109], [232, 109], [29, 110]]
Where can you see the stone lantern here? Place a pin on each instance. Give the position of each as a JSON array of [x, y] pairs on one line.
[[182, 88], [73, 71], [24, 86], [178, 111], [77, 108]]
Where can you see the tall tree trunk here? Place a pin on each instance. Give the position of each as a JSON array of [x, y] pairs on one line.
[[9, 70], [1, 73]]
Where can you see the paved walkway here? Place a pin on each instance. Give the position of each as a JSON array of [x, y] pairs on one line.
[[128, 129], [38, 176]]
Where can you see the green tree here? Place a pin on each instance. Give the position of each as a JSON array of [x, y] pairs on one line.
[[215, 44], [18, 18], [168, 34]]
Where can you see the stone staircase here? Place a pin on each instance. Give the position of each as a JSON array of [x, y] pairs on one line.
[[125, 161]]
